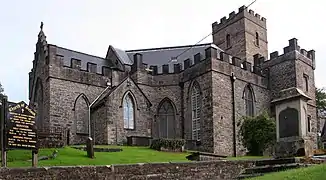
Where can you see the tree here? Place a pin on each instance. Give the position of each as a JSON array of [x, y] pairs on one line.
[[1, 89], [320, 99], [257, 133]]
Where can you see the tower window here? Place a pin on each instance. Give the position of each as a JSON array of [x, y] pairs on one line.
[[228, 40], [257, 39], [306, 82], [309, 123]]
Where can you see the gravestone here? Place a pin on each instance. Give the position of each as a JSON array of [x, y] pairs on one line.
[[90, 148]]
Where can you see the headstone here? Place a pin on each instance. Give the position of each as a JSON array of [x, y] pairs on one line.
[[90, 148]]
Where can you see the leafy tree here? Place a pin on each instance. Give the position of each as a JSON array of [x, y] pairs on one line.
[[1, 89], [257, 133], [320, 99]]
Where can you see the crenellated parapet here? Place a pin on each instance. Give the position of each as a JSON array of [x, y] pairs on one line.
[[243, 12], [292, 51], [211, 53]]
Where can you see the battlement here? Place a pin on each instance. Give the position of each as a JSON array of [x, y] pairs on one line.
[[243, 12], [81, 61], [211, 53], [293, 51]]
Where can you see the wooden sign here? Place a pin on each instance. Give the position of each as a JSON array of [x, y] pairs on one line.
[[21, 127]]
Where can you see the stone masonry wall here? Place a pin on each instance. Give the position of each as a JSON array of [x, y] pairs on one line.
[[282, 76], [65, 85], [204, 82], [63, 96], [112, 124], [213, 170], [222, 103], [251, 28], [304, 69]]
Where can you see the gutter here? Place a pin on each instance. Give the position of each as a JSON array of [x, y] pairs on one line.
[[233, 78]]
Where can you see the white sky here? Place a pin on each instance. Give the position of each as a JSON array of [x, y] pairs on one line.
[[90, 26]]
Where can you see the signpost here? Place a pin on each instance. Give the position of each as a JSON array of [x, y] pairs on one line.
[[20, 129], [3, 117]]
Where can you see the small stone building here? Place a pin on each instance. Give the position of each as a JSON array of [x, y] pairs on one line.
[[198, 93]]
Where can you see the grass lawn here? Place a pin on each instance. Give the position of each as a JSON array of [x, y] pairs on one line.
[[317, 172], [248, 157], [68, 156]]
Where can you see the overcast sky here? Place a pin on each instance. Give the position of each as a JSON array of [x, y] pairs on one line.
[[90, 26]]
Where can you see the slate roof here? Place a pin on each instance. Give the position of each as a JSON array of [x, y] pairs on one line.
[[85, 58], [153, 56], [160, 56]]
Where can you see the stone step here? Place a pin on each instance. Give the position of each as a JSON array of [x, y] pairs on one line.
[[273, 168], [245, 176], [276, 161]]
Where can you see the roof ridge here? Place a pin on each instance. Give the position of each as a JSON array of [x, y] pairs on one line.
[[77, 51], [167, 47]]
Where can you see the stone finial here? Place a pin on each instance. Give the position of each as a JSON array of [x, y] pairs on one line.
[[251, 12], [41, 27]]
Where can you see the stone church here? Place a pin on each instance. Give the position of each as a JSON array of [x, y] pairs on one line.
[[198, 93]]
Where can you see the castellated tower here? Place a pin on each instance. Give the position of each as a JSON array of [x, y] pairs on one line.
[[292, 89], [242, 34]]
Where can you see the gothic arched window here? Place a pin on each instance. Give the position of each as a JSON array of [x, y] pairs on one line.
[[249, 101], [128, 112], [81, 114], [195, 107], [166, 119]]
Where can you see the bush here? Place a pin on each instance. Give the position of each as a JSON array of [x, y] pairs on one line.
[[172, 144], [257, 133]]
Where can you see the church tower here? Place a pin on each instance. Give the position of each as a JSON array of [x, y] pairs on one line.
[[243, 34]]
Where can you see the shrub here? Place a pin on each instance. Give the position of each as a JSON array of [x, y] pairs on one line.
[[257, 133], [172, 144]]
